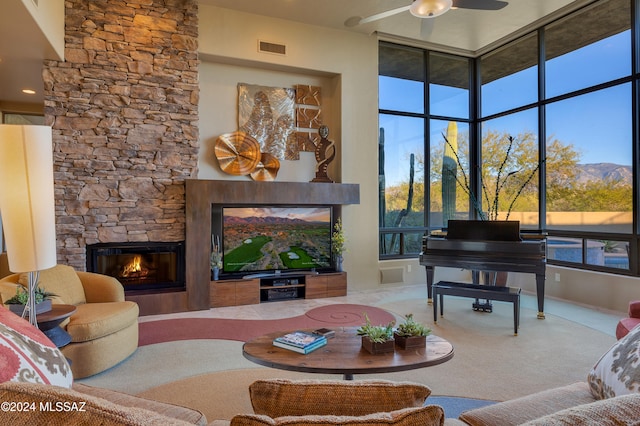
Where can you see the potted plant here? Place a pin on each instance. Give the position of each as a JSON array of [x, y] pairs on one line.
[[377, 339], [411, 334], [18, 302], [338, 243], [216, 257]]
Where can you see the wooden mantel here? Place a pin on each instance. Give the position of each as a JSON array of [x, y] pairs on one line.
[[202, 194]]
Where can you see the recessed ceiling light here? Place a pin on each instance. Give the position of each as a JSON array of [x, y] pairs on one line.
[[29, 91]]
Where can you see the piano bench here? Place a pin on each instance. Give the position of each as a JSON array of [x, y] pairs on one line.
[[476, 291]]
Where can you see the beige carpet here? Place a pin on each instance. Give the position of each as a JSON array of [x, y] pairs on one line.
[[489, 362]]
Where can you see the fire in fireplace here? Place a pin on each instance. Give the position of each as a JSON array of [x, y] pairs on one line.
[[140, 266]]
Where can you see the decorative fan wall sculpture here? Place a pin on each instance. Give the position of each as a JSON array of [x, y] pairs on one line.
[[428, 9]]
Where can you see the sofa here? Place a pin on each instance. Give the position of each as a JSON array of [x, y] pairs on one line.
[[104, 327], [625, 325], [610, 395]]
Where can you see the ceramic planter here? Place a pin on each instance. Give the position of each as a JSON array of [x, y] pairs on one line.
[[410, 342], [378, 348], [41, 307]]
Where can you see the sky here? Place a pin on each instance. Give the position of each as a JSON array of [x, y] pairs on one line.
[[322, 214]]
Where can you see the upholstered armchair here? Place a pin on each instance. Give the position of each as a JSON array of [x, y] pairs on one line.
[[4, 265], [339, 402], [626, 324], [104, 327]]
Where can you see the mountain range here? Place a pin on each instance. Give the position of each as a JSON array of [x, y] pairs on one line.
[[600, 171], [235, 220]]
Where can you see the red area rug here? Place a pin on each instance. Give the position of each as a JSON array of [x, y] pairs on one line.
[[338, 315]]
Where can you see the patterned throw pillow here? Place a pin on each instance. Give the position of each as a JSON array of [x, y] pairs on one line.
[[618, 371], [27, 355]]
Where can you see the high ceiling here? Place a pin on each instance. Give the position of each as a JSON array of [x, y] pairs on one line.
[[464, 31]]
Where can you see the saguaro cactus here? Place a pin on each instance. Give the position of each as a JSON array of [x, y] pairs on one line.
[[449, 173]]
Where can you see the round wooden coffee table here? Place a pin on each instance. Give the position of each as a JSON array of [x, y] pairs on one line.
[[344, 355]]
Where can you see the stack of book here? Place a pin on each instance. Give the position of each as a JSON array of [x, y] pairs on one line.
[[300, 341]]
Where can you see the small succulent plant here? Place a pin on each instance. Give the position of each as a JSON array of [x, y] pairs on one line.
[[412, 328], [376, 333]]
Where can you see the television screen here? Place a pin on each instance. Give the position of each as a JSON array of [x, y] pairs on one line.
[[276, 238]]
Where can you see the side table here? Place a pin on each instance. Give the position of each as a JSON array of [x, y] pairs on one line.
[[49, 323]]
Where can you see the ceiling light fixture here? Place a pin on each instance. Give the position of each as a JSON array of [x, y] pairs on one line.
[[28, 91], [430, 8]]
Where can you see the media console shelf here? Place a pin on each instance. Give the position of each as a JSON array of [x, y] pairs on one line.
[[202, 194], [272, 288]]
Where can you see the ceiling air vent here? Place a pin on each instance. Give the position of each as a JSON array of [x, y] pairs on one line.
[[273, 48]]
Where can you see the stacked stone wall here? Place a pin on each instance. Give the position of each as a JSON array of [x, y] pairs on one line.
[[124, 111]]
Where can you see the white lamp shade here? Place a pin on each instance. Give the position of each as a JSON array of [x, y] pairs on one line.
[[430, 8], [27, 197]]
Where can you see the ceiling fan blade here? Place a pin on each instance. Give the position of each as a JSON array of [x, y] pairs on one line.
[[357, 20], [426, 28], [480, 4]]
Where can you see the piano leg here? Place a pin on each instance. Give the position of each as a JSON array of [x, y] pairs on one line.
[[475, 279], [429, 270], [540, 293]]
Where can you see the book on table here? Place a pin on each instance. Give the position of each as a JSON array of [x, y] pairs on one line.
[[300, 341], [307, 349]]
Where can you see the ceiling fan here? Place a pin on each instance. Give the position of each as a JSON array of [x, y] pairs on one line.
[[428, 9]]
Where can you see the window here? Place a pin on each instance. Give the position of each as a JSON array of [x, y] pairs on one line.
[[401, 79], [552, 135], [448, 85], [401, 150], [577, 58], [509, 76], [449, 172], [589, 172], [509, 172]]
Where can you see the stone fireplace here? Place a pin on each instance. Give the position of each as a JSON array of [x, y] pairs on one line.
[[123, 107], [140, 267]]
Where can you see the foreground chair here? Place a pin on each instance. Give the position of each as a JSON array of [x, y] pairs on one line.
[[104, 327], [339, 402], [4, 265], [626, 324]]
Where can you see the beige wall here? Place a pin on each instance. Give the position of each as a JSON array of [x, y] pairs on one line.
[[49, 15], [344, 64]]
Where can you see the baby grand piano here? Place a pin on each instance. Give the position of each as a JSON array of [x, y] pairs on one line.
[[486, 246]]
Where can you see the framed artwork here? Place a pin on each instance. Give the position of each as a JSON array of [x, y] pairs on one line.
[[268, 114]]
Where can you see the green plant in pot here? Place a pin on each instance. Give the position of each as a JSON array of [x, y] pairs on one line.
[[17, 303], [377, 338], [338, 244], [411, 334]]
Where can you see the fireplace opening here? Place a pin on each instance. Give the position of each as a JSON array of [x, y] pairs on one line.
[[140, 266]]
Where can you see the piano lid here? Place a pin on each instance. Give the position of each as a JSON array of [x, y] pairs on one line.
[[487, 230]]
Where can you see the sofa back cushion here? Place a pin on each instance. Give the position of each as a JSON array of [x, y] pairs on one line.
[[282, 397], [27, 355], [67, 407], [621, 410], [428, 415], [61, 280], [618, 370]]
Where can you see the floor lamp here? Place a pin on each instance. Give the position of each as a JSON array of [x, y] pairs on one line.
[[27, 202]]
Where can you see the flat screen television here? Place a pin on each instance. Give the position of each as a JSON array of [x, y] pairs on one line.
[[269, 239]]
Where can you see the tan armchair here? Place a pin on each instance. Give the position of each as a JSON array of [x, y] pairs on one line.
[[4, 265], [104, 327]]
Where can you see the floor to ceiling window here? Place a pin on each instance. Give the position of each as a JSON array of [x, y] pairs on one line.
[[546, 138]]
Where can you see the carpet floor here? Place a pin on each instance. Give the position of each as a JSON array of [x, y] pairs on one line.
[[209, 373], [337, 315]]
